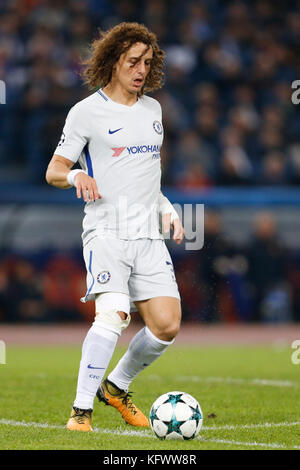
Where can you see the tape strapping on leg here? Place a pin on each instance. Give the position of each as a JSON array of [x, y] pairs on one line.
[[107, 307], [112, 301]]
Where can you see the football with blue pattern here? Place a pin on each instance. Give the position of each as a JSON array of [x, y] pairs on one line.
[[176, 415]]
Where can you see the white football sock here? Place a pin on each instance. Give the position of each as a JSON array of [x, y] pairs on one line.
[[143, 349], [97, 350]]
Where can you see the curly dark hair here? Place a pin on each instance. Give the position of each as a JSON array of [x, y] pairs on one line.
[[107, 49]]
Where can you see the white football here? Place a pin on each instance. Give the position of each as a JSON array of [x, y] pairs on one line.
[[176, 415]]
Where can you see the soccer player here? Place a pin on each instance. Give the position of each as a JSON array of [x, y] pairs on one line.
[[116, 134]]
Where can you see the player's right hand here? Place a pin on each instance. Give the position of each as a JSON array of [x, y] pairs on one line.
[[178, 230], [87, 187]]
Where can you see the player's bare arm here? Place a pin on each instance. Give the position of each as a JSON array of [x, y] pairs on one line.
[[170, 219], [176, 225], [57, 175]]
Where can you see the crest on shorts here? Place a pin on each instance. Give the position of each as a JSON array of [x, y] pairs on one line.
[[157, 127], [103, 277]]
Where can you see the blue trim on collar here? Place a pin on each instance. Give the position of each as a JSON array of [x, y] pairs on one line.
[[103, 95]]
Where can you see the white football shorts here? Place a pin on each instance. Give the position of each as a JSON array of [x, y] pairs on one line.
[[141, 268]]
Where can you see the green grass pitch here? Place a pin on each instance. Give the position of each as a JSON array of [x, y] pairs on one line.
[[250, 398]]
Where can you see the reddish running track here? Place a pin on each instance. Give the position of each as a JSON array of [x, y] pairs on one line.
[[193, 334]]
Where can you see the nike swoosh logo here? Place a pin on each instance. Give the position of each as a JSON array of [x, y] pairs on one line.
[[112, 132], [91, 367]]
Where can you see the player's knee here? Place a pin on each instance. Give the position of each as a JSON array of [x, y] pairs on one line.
[[168, 331], [167, 326], [112, 311]]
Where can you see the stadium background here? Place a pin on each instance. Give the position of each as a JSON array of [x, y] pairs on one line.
[[231, 142]]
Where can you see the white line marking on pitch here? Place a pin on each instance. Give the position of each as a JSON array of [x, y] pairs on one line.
[[145, 433], [10, 422], [232, 380], [249, 426]]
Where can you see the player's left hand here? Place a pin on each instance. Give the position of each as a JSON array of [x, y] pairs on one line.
[[178, 230]]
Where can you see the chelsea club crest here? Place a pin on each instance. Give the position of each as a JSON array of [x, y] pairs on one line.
[[103, 277], [157, 127]]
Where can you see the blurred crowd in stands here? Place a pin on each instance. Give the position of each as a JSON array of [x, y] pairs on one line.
[[228, 120], [259, 281], [227, 109]]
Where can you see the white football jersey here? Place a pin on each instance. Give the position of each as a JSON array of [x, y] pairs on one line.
[[119, 146]]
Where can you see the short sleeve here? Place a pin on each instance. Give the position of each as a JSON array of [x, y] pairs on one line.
[[74, 136]]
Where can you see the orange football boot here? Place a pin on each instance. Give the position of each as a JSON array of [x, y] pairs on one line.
[[80, 420], [110, 394]]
